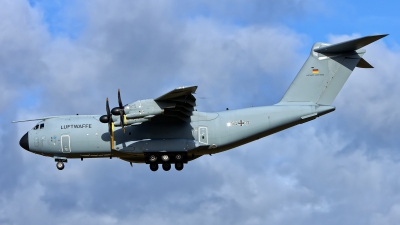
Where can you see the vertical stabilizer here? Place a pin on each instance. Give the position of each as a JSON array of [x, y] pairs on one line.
[[326, 70]]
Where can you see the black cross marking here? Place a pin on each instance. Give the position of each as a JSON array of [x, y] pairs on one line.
[[241, 123]]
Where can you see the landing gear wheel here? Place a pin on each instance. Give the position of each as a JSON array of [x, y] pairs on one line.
[[154, 167], [179, 166], [178, 157], [60, 165], [166, 166], [165, 158], [153, 158]]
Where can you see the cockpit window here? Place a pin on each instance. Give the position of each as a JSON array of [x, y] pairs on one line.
[[38, 126]]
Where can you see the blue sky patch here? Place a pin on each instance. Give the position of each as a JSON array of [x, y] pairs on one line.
[[61, 17]]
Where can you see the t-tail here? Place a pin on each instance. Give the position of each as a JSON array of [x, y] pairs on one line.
[[326, 70]]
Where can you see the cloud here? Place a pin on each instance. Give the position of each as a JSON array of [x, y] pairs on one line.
[[18, 56], [312, 173], [369, 96], [195, 52]]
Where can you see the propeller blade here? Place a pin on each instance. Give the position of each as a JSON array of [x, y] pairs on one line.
[[121, 117], [111, 130], [110, 124], [109, 117], [119, 100], [108, 108], [121, 111]]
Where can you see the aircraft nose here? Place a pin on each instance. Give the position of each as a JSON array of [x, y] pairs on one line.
[[24, 142]]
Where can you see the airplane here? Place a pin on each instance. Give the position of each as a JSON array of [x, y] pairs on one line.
[[168, 130]]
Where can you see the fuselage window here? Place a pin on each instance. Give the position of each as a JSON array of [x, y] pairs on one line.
[[42, 126]]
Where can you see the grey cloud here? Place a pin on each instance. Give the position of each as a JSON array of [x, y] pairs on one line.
[[20, 66], [143, 44], [20, 42], [231, 60], [299, 176], [370, 97], [391, 216]]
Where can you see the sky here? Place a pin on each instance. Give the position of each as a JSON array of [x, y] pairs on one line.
[[65, 57]]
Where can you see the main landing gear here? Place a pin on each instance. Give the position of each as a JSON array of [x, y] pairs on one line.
[[166, 160], [154, 166], [179, 166], [166, 166]]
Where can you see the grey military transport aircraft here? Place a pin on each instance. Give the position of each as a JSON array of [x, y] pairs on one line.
[[168, 130]]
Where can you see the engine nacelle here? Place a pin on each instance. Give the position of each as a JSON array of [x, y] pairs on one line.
[[144, 113], [131, 121], [143, 108]]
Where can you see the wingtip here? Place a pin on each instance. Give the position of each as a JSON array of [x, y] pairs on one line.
[[381, 35], [378, 36]]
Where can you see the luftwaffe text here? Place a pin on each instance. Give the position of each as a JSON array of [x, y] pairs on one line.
[[76, 126]]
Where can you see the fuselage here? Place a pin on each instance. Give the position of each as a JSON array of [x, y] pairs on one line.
[[84, 136]]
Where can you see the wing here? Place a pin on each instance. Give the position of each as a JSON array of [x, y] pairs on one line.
[[179, 102]]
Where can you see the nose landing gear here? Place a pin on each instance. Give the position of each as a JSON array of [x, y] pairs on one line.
[[60, 162], [60, 165]]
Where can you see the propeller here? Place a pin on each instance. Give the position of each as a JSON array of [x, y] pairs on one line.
[[121, 111], [110, 124], [108, 118]]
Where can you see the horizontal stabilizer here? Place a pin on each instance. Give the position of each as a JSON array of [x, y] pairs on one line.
[[363, 64], [351, 45]]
